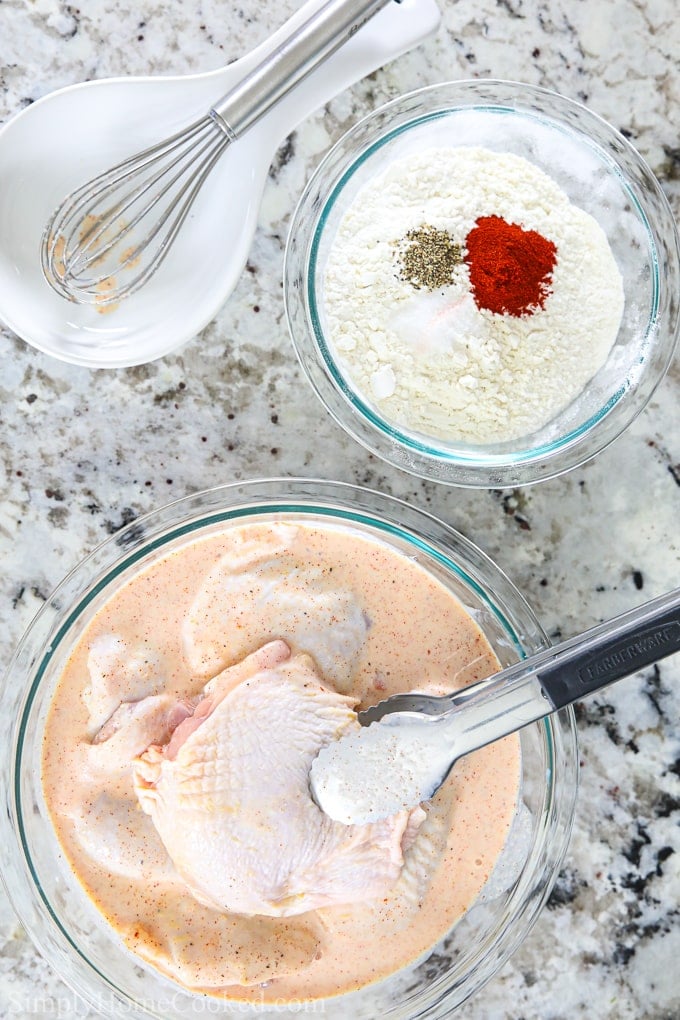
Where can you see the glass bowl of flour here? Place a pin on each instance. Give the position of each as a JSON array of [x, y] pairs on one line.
[[481, 283], [77, 920]]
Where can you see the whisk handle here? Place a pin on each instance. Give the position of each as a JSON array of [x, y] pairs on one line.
[[303, 49]]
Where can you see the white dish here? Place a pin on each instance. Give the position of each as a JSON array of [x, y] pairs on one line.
[[104, 122]]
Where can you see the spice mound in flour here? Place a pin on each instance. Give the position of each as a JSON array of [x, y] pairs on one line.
[[428, 257], [510, 268], [482, 348]]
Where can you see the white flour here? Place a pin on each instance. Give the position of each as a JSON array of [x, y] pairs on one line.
[[431, 360]]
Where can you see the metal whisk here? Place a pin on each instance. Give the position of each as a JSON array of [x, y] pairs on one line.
[[109, 236], [102, 243]]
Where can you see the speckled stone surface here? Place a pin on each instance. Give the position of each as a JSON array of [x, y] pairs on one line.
[[83, 453]]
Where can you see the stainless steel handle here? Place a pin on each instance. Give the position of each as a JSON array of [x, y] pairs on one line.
[[558, 676], [292, 60], [492, 709]]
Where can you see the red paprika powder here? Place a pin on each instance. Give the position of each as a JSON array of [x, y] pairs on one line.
[[510, 268]]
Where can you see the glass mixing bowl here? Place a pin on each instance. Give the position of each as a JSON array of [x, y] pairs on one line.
[[62, 921], [599, 171]]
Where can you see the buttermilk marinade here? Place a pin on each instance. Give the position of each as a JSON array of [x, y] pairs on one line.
[[177, 751]]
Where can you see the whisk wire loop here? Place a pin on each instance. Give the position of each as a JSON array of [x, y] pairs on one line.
[[90, 228], [88, 257], [189, 192], [107, 183]]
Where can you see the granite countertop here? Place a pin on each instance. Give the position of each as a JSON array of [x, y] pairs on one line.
[[86, 452]]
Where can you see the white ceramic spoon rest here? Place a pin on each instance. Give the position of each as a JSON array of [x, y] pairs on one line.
[[69, 136]]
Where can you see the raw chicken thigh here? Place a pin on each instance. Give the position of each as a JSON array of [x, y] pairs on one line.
[[259, 590], [229, 795], [132, 727], [115, 832], [117, 673]]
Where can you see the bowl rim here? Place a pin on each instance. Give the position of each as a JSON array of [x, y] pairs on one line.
[[469, 465], [155, 529]]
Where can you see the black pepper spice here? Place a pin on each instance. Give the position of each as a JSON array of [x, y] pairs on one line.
[[428, 257]]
